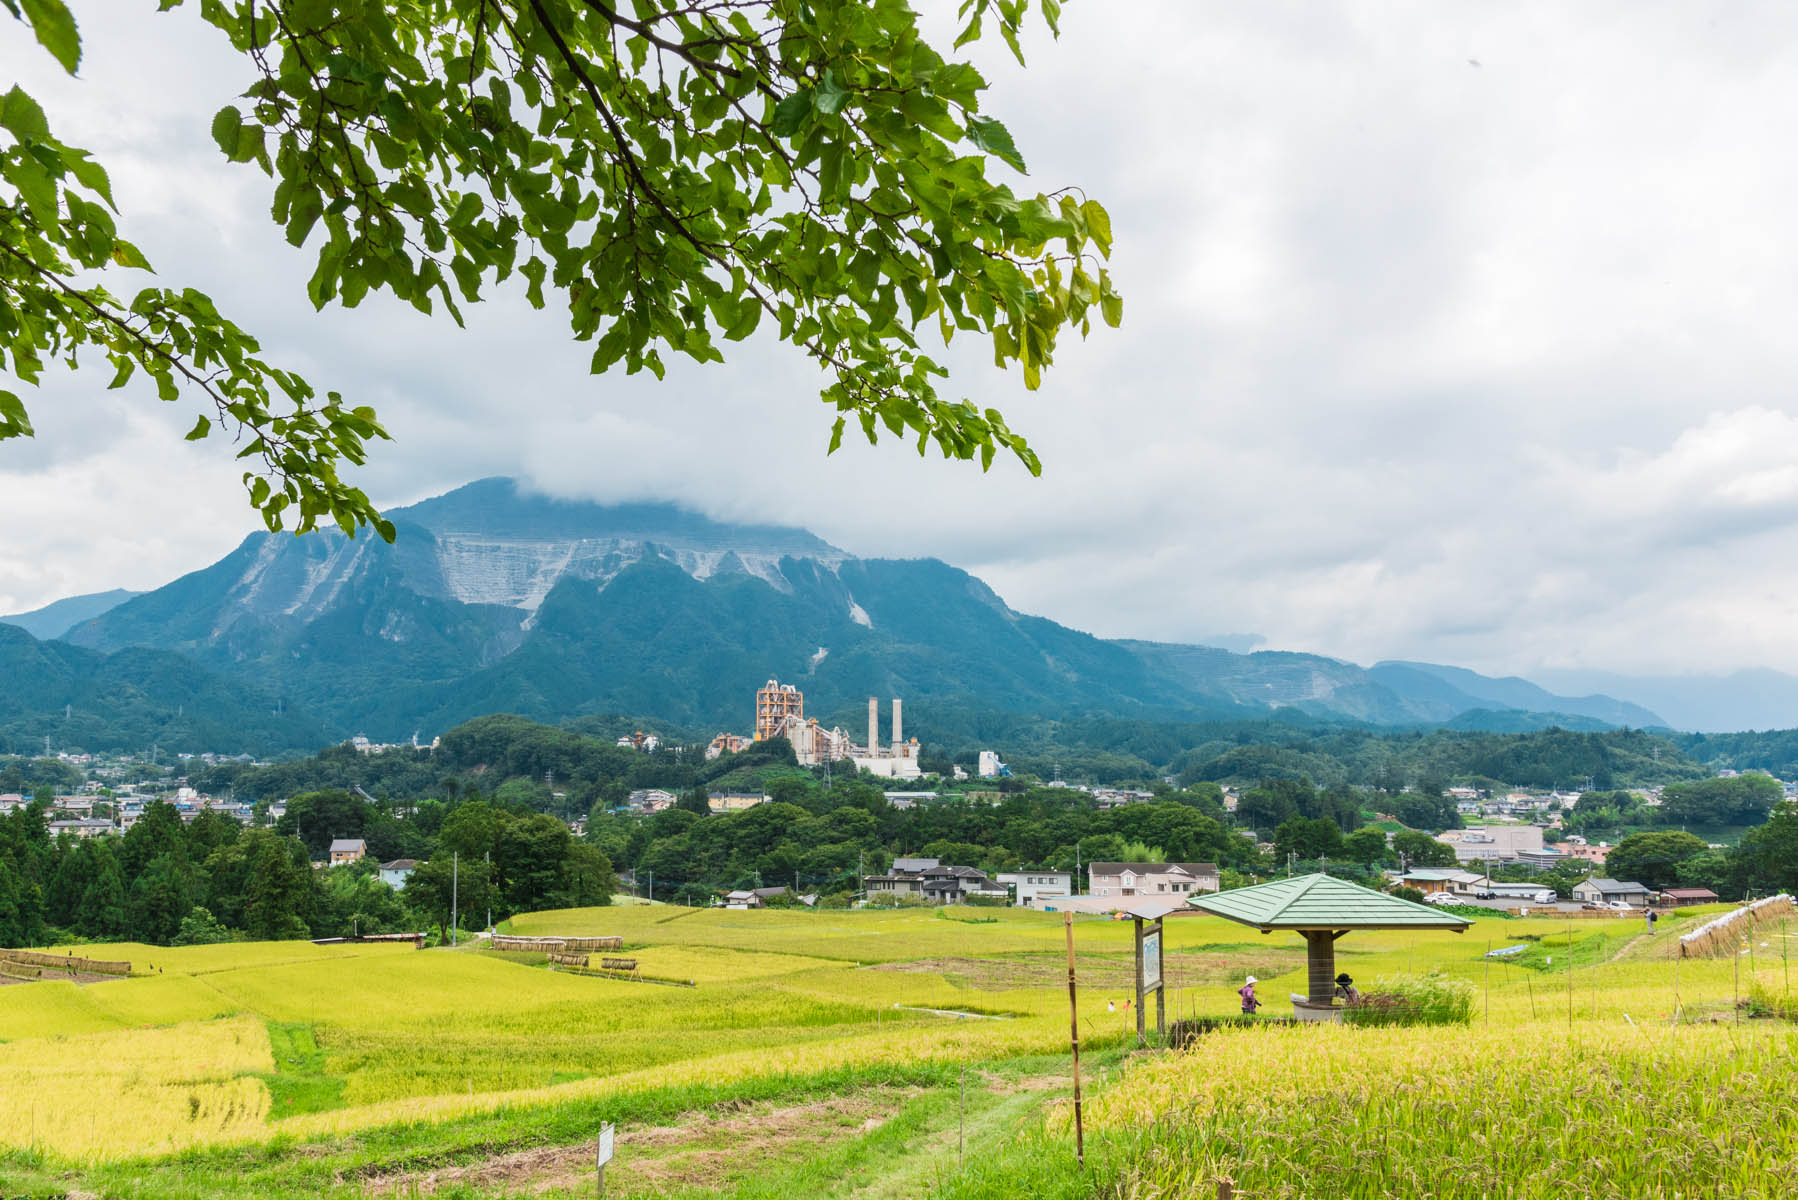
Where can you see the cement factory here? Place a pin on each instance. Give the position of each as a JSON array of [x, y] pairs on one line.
[[780, 712]]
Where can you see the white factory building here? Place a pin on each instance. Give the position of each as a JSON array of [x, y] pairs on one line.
[[897, 761]]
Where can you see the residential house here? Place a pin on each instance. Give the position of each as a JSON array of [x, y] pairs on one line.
[[347, 850], [1681, 897], [650, 800], [957, 885], [728, 802], [1521, 893], [1542, 860], [753, 897], [82, 827], [1116, 797], [1607, 891], [394, 874], [1150, 879], [1430, 880], [929, 879], [1027, 886], [1586, 852]]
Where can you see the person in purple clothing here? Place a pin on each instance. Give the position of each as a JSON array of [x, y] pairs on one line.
[[1247, 992]]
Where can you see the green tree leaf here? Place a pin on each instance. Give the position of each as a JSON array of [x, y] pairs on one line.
[[791, 112], [54, 26], [225, 124], [995, 139], [22, 116]]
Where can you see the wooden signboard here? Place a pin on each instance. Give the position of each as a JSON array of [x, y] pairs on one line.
[[1148, 979], [602, 1152]]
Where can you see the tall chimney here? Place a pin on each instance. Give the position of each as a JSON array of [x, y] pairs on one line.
[[873, 727], [898, 729]]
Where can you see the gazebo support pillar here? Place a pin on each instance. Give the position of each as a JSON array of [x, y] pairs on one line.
[[1320, 965]]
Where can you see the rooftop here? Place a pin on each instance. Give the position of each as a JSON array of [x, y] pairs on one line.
[[1322, 902], [1148, 868]]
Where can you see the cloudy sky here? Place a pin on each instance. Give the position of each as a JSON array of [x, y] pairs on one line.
[[1460, 332]]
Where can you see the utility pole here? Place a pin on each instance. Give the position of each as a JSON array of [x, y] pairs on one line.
[[487, 857], [455, 892], [652, 885]]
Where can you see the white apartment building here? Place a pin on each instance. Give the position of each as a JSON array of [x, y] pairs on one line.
[[1029, 886]]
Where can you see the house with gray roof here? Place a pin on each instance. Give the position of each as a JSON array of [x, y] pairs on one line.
[[1606, 891]]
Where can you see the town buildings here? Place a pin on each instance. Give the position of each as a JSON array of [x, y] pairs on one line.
[[1493, 843], [727, 802], [347, 850], [726, 743]]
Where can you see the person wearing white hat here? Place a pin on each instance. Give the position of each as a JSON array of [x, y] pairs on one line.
[[1247, 992]]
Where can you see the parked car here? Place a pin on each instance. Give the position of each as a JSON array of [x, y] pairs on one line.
[[1442, 898]]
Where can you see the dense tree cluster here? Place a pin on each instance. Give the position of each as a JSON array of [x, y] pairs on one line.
[[167, 881]]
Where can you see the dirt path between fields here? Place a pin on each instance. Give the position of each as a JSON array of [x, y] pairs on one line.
[[704, 1149]]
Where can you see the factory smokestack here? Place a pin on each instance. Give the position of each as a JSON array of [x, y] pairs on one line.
[[873, 727], [898, 730]]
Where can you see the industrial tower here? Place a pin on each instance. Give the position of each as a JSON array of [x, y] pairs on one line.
[[774, 703]]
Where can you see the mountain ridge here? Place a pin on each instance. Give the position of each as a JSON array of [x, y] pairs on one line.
[[496, 599]]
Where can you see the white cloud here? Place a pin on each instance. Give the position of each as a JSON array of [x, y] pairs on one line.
[[1480, 361]]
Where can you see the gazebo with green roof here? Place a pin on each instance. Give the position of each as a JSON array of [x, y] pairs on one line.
[[1322, 908]]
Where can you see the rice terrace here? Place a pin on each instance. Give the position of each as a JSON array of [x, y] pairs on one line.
[[910, 1052]]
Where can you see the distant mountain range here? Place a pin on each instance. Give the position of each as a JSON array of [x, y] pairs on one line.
[[58, 617], [496, 600]]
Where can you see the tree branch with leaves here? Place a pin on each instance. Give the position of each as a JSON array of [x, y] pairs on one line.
[[672, 173]]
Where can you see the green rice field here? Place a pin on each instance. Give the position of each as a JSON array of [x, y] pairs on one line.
[[905, 1052]]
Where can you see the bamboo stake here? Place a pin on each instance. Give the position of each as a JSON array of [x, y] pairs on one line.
[[1074, 1041], [1736, 1000], [1570, 978]]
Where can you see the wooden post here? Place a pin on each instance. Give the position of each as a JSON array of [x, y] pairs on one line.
[[1320, 959], [1141, 1040], [1161, 1001], [1074, 1041]]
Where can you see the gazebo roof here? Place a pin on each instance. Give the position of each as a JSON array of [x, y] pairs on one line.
[[1322, 902]]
